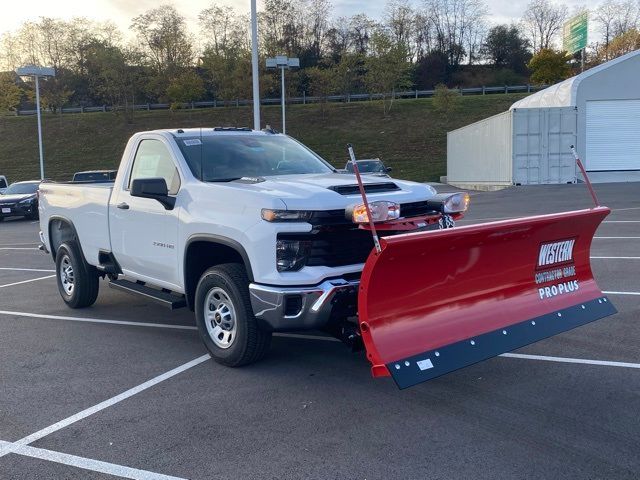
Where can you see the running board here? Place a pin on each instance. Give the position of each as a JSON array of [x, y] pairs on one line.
[[166, 298]]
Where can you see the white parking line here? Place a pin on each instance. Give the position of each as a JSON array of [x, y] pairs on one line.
[[623, 209], [26, 281], [15, 269], [96, 320], [615, 258], [615, 238], [622, 293], [4, 450], [16, 244], [582, 361], [87, 463]]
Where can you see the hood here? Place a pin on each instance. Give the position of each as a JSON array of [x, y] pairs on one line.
[[15, 198], [335, 190]]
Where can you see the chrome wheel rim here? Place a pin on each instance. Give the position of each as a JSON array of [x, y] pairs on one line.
[[220, 318], [67, 277]]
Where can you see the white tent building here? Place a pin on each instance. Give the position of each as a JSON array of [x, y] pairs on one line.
[[598, 111]]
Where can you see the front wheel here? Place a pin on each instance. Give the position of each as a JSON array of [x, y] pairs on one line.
[[77, 281], [225, 317]]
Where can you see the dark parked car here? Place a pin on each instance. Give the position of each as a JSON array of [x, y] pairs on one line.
[[20, 200], [95, 176], [373, 166], [3, 184]]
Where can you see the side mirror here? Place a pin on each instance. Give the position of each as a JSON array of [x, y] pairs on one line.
[[388, 169], [154, 188]]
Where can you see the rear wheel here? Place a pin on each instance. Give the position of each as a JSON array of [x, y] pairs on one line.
[[225, 317], [77, 280]]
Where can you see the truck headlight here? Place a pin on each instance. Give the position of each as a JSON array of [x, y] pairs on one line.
[[381, 211], [450, 202], [292, 255], [285, 215]]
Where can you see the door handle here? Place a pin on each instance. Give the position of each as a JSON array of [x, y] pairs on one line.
[[123, 206]]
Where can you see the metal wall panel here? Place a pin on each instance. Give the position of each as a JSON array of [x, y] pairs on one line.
[[480, 153], [541, 141]]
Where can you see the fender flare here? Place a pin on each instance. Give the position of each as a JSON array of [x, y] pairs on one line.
[[66, 220], [216, 240]]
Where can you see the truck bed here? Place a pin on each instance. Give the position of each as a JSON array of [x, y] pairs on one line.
[[87, 205]]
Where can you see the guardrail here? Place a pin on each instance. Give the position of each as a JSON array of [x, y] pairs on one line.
[[304, 99]]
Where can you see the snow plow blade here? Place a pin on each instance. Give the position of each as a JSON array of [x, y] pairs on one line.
[[433, 302]]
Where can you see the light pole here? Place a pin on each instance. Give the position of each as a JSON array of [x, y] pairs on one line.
[[283, 63], [37, 72], [254, 66]]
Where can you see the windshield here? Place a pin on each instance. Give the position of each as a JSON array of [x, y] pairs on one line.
[[21, 188], [222, 158]]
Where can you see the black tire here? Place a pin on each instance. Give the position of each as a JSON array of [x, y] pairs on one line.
[[248, 343], [82, 277]]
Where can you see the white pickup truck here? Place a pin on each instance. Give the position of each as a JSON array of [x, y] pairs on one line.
[[250, 229]]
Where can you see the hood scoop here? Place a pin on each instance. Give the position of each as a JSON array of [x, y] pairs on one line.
[[368, 188], [250, 180]]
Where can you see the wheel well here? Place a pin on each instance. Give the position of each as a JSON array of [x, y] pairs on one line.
[[60, 231], [203, 254]]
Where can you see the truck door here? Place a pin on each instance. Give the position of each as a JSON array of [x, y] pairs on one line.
[[143, 233]]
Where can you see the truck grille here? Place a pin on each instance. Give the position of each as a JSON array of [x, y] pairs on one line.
[[336, 247], [337, 217]]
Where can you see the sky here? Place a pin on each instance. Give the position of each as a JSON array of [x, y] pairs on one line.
[[122, 11]]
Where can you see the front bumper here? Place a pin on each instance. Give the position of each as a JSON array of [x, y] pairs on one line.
[[17, 210], [300, 308]]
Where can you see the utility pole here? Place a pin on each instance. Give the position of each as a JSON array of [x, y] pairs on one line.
[[255, 66]]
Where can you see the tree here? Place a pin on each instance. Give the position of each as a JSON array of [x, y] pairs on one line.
[[362, 29], [432, 69], [399, 19], [604, 17], [185, 88], [621, 45], [315, 29], [615, 18], [549, 66], [338, 39], [505, 47], [10, 93], [226, 30], [162, 33], [54, 93], [281, 27], [387, 69], [543, 21], [445, 99], [321, 84], [458, 27]]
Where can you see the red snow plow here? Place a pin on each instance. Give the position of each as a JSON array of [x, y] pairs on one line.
[[432, 302]]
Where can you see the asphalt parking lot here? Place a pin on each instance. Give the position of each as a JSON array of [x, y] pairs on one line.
[[125, 389]]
